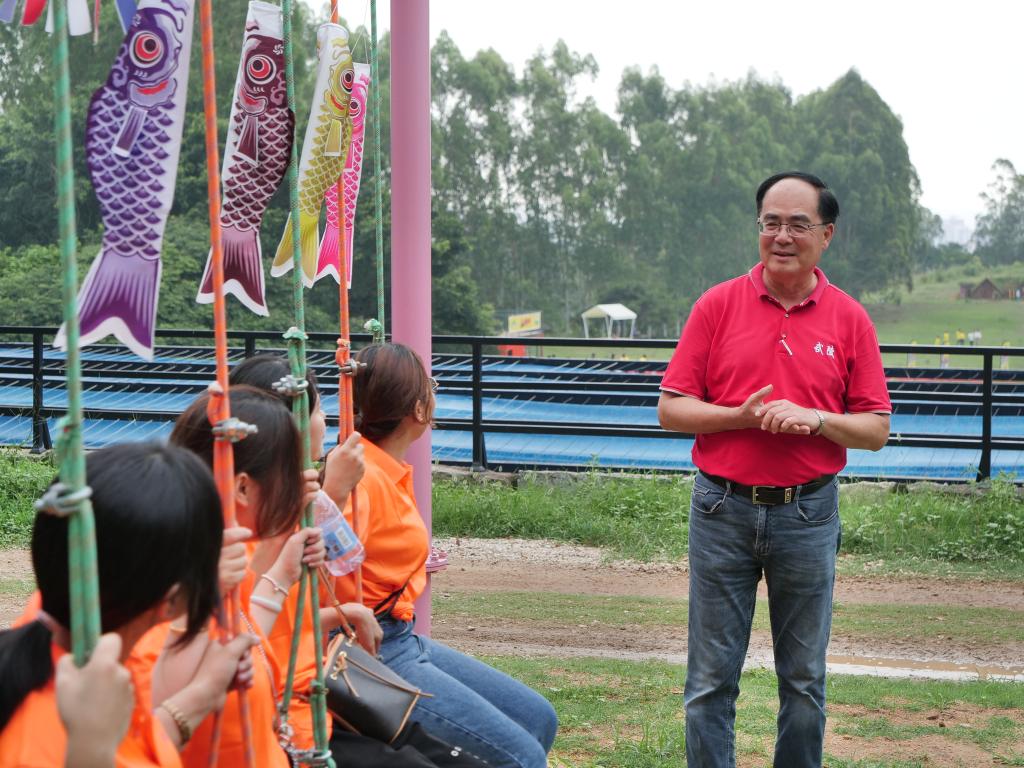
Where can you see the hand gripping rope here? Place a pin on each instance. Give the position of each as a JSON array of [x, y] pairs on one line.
[[296, 338]]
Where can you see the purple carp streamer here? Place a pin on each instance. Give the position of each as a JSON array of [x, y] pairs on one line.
[[132, 139], [7, 10], [324, 148], [255, 159], [328, 261]]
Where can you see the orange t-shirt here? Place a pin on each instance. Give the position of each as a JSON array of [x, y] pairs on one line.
[[392, 531], [34, 737], [300, 715], [267, 680], [261, 697]]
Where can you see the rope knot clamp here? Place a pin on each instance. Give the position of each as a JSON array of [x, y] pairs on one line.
[[290, 385], [284, 730], [60, 501], [350, 367], [295, 333], [233, 430], [374, 326], [312, 757]]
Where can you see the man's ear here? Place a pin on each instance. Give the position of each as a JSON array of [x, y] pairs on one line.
[[830, 230]]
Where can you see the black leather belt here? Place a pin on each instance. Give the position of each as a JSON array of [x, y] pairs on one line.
[[768, 494]]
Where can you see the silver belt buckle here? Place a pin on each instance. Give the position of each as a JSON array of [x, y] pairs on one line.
[[788, 496]]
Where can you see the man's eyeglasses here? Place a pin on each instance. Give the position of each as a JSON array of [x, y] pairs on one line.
[[433, 384], [796, 229]]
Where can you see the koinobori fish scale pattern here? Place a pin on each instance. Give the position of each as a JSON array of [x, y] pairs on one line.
[[256, 157], [329, 253], [328, 135], [131, 188], [133, 138]]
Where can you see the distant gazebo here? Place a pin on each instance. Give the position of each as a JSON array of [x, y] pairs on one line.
[[615, 317]]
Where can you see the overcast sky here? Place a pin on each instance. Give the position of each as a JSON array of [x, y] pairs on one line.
[[953, 72]]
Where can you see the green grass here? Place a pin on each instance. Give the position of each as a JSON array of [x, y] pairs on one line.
[[19, 588], [932, 308], [645, 518], [629, 714], [960, 625], [639, 517], [22, 481], [872, 566]]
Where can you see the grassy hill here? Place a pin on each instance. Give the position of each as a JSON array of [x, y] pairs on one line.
[[933, 308]]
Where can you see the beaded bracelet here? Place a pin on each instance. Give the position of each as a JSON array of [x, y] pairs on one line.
[[277, 587], [184, 730]]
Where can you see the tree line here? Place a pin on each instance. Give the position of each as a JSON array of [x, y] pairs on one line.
[[542, 201]]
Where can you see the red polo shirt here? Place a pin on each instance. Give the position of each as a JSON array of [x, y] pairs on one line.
[[823, 353]]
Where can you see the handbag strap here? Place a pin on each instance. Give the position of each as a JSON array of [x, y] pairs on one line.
[[328, 581], [383, 608], [387, 605]]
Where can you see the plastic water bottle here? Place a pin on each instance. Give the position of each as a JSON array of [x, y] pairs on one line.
[[345, 551]]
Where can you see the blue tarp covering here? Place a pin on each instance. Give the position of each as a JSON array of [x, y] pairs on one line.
[[659, 453]]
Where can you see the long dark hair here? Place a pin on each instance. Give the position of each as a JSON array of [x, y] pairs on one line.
[[158, 523], [272, 456], [263, 371], [388, 389]]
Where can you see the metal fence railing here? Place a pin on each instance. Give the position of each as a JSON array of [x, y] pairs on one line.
[[984, 391]]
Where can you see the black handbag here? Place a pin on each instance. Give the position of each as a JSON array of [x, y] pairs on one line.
[[363, 694]]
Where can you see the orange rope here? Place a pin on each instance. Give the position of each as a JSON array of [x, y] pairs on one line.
[[346, 418], [343, 357], [219, 406]]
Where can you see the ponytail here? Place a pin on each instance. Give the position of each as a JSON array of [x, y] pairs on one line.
[[26, 664]]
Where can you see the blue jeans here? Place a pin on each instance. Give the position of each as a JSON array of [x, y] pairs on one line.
[[474, 706], [732, 541]]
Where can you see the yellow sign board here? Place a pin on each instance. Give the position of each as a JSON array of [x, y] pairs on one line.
[[525, 324]]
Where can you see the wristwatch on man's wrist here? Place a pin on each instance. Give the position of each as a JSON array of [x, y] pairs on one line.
[[821, 422]]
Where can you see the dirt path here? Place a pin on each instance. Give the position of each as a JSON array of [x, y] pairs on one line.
[[542, 566], [534, 566], [538, 566]]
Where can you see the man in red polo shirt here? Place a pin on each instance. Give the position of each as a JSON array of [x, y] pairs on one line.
[[777, 373]]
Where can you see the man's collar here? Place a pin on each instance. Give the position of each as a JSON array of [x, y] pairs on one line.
[[756, 275], [394, 469]]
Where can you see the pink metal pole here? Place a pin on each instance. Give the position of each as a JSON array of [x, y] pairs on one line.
[[410, 218]]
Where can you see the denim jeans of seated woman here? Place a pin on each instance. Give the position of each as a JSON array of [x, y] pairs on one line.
[[474, 706], [732, 542]]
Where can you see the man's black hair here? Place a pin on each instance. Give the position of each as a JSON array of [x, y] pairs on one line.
[[828, 206]]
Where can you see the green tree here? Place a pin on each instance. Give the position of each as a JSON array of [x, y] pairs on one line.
[[475, 139], [850, 137], [457, 307], [1000, 229], [570, 161]]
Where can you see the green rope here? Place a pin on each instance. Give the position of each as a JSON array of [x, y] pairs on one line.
[[296, 337], [377, 326], [82, 571]]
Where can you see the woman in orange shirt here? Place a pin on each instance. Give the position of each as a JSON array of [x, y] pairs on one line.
[[270, 492], [346, 467], [152, 504], [498, 719]]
